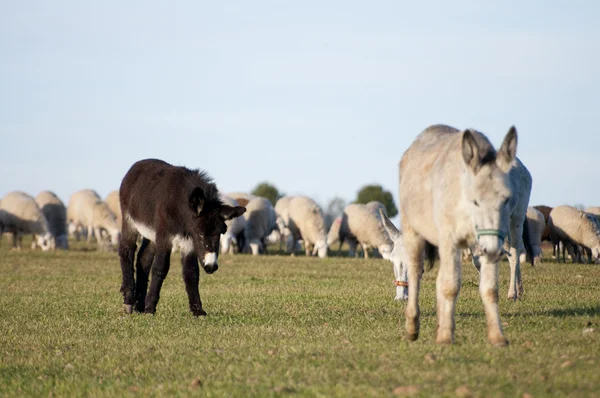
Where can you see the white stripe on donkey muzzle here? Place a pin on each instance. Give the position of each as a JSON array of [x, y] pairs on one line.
[[210, 259]]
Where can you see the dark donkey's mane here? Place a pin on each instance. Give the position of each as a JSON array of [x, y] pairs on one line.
[[154, 186]]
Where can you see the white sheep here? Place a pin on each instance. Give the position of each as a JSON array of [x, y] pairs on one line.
[[260, 221], [595, 210], [76, 231], [241, 197], [334, 233], [535, 226], [285, 235], [572, 227], [235, 229], [56, 214], [375, 205], [306, 221], [86, 209], [536, 223], [360, 224], [19, 215], [114, 204]]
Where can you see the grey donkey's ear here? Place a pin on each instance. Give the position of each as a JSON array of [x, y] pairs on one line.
[[389, 226], [470, 151], [508, 150]]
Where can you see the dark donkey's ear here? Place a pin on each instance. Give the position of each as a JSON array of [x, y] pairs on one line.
[[197, 200], [229, 212]]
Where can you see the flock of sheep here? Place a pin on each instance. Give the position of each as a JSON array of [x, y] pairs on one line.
[[292, 220]]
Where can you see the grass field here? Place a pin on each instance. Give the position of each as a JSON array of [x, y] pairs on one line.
[[280, 326]]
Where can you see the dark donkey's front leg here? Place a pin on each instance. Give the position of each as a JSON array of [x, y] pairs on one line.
[[160, 269], [143, 264], [127, 247], [191, 277]]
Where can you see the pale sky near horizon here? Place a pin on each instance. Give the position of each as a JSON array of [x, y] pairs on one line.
[[316, 97]]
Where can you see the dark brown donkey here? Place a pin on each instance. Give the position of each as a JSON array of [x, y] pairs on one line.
[[169, 206]]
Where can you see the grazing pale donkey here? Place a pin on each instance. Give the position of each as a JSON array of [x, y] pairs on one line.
[[455, 193]]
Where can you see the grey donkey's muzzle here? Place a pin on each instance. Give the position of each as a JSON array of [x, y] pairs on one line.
[[493, 252]]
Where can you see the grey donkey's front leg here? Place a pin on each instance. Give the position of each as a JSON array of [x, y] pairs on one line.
[[488, 288], [447, 289], [414, 246]]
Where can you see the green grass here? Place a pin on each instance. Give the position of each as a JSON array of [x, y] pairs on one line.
[[280, 326]]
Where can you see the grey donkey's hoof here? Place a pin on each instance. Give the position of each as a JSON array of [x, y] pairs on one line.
[[128, 308], [498, 341], [412, 336]]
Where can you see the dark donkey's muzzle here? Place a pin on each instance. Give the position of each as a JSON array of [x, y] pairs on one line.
[[209, 263]]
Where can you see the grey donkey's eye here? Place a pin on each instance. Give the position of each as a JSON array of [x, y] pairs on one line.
[[476, 203]]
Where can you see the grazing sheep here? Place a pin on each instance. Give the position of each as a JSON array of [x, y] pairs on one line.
[[334, 233], [20, 214], [545, 210], [595, 211], [285, 235], [114, 204], [234, 237], [260, 221], [306, 222], [570, 226], [375, 205], [86, 209], [77, 231], [536, 226], [56, 214], [360, 224], [241, 197]]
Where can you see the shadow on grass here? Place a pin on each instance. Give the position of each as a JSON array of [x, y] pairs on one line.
[[556, 312], [566, 312]]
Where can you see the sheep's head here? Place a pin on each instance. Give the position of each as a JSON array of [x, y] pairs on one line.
[[385, 251], [115, 237], [254, 246], [225, 239], [395, 256], [46, 241], [596, 254], [321, 248], [274, 236]]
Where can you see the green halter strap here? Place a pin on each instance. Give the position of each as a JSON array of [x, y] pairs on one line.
[[493, 232]]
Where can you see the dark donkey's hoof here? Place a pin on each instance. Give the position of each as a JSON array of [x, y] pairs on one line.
[[198, 312], [128, 308]]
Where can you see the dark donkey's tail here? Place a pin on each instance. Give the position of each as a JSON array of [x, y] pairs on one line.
[[527, 241]]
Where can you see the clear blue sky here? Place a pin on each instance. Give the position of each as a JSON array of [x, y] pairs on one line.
[[317, 97]]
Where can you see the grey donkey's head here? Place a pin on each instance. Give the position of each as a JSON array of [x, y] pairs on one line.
[[487, 189]]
